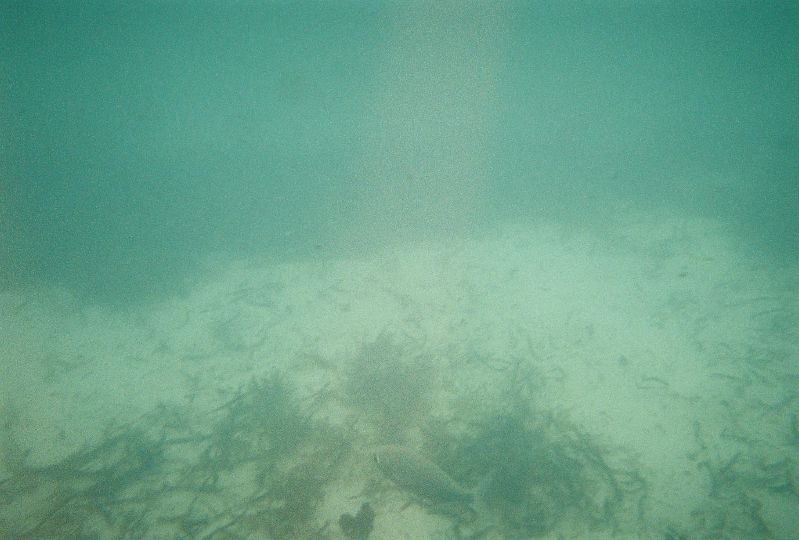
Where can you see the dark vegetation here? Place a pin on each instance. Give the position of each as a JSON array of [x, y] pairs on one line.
[[359, 526], [258, 465], [256, 468], [532, 470], [390, 386], [533, 473]]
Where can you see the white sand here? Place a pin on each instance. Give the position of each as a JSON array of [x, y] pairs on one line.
[[663, 340]]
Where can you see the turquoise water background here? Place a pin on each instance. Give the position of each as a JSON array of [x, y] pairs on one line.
[[546, 252], [139, 139]]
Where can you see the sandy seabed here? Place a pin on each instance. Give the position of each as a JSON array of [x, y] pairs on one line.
[[662, 349]]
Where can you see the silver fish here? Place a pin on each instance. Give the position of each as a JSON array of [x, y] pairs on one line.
[[420, 476]]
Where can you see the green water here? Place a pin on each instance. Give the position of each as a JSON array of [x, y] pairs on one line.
[[548, 249], [138, 138]]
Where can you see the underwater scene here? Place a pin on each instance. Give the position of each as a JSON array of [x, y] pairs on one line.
[[399, 270]]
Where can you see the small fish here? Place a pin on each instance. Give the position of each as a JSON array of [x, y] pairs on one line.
[[420, 476]]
